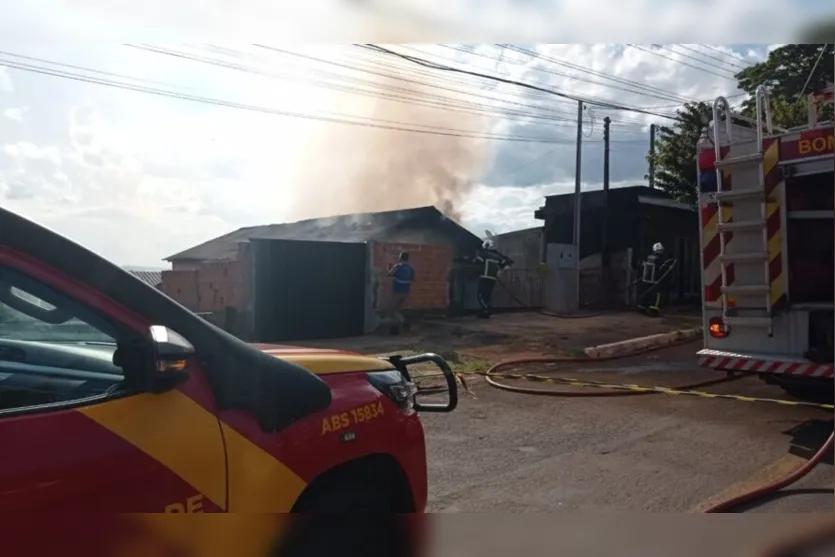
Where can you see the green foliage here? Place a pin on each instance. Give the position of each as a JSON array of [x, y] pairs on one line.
[[675, 152], [785, 73]]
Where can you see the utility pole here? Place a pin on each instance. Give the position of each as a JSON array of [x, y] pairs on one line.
[[652, 155], [605, 259], [577, 182], [605, 243]]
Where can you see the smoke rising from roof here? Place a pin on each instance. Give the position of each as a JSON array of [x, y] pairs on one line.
[[353, 169]]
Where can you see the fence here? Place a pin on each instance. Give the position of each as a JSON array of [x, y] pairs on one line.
[[525, 285], [520, 285]]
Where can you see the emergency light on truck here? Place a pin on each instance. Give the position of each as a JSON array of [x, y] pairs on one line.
[[717, 328]]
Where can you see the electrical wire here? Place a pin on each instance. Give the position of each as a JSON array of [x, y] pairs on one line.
[[528, 163], [638, 47], [459, 106], [732, 54], [714, 66], [811, 73], [663, 95], [336, 118], [413, 97], [442, 67], [706, 55], [343, 77], [91, 70], [448, 103], [305, 56], [642, 89]]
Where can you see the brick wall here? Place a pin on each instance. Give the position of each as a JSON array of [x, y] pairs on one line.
[[209, 286], [432, 264]]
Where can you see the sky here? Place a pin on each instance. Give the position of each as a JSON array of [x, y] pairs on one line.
[[198, 136]]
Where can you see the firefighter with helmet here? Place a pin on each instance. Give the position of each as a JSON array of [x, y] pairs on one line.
[[491, 262], [653, 285]]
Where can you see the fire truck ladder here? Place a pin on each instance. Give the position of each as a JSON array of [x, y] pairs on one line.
[[725, 199]]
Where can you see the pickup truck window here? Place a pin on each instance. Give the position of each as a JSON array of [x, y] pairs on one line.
[[52, 349]]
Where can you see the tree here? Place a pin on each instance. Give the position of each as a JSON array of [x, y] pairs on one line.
[[675, 152], [785, 73], [790, 73]]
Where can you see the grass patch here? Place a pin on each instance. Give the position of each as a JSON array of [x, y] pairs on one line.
[[575, 352]]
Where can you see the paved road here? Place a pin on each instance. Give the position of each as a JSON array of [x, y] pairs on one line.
[[517, 453]]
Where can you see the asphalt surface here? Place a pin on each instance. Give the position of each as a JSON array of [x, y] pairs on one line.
[[509, 452]]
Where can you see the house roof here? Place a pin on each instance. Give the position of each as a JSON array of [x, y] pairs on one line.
[[403, 226], [593, 199], [153, 278]]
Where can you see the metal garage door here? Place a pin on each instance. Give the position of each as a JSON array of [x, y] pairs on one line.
[[307, 290]]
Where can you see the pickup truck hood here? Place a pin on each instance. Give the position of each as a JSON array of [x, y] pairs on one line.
[[324, 361]]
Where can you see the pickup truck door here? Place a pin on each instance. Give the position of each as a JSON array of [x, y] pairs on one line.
[[74, 438]]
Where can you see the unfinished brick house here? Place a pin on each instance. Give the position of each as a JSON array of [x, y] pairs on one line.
[[317, 278]]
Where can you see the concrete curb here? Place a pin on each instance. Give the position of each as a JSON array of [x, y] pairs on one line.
[[628, 346]]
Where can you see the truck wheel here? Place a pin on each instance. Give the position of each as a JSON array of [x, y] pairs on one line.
[[349, 534]]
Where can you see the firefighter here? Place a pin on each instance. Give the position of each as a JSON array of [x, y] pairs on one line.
[[491, 262], [656, 274]]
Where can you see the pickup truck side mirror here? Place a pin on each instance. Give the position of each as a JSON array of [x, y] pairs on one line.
[[172, 354]]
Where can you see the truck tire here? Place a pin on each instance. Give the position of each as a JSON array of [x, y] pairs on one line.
[[361, 524]]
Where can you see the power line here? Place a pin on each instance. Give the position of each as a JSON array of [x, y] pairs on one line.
[[732, 54], [446, 103], [638, 47], [441, 67], [709, 64], [665, 95], [528, 163], [90, 70], [706, 55], [335, 118], [811, 73], [413, 97], [377, 63]]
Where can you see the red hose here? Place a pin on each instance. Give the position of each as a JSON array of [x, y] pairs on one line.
[[597, 393], [725, 506], [777, 485]]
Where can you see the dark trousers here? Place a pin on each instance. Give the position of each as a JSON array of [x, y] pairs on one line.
[[485, 295], [652, 297]]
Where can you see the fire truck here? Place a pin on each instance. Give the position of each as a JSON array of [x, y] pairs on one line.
[[766, 218], [116, 400]]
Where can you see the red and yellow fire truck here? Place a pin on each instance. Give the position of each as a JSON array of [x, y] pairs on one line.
[[116, 399], [766, 216]]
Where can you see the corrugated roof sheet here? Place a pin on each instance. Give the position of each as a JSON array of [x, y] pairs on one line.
[[153, 278], [360, 227]]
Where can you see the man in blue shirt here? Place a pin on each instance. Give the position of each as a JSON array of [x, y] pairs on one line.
[[402, 275]]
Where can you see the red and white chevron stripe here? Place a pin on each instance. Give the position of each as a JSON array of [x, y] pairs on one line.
[[715, 359]]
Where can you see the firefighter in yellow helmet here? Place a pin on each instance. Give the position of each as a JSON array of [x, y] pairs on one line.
[[656, 277], [491, 262]]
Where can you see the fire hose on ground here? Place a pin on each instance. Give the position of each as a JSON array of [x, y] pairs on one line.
[[492, 375]]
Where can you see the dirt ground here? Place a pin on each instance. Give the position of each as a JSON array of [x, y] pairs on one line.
[[509, 452], [514, 334]]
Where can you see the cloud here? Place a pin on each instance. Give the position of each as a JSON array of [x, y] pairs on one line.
[[139, 176], [5, 81], [15, 114]]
